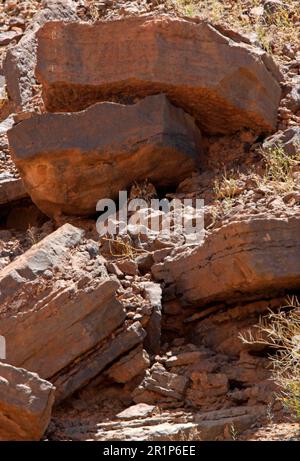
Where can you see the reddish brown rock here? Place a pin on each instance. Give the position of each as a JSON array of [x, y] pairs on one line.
[[70, 161], [206, 387], [8, 36], [224, 83], [52, 310], [90, 365], [244, 259], [133, 364], [213, 425], [160, 385], [220, 330], [25, 404]]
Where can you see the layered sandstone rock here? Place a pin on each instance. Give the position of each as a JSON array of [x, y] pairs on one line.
[[70, 161], [224, 83], [25, 404], [244, 259], [52, 310]]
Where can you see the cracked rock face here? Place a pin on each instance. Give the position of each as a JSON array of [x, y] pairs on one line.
[[225, 84], [70, 161]]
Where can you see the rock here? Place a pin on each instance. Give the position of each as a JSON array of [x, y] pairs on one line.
[[224, 95], [153, 294], [6, 124], [206, 386], [25, 404], [92, 364], [113, 269], [142, 430], [257, 11], [186, 358], [272, 6], [288, 140], [127, 266], [20, 60], [11, 189], [221, 331], [292, 101], [8, 36], [151, 139], [145, 262], [133, 364], [238, 260], [139, 410], [48, 324], [159, 385], [211, 425]]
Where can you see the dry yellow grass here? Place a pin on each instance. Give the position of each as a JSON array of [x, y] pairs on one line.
[[273, 28]]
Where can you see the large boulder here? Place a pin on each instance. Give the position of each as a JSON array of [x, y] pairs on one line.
[[244, 259], [224, 83], [70, 161], [25, 404]]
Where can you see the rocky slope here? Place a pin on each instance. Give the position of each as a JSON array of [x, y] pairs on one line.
[[138, 336]]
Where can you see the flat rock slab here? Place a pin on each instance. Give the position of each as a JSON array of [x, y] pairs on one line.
[[140, 410], [70, 161], [224, 83], [51, 309], [25, 404], [241, 259]]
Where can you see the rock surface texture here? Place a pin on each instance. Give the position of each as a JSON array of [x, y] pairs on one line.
[[70, 161], [225, 84], [241, 259], [25, 404], [147, 332], [72, 316]]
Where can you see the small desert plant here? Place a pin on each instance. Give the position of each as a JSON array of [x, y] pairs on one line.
[[279, 168], [281, 331], [226, 188], [233, 432], [120, 247], [31, 234]]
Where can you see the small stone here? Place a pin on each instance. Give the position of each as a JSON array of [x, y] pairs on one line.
[[141, 410], [185, 358], [9, 36], [128, 267], [48, 274]]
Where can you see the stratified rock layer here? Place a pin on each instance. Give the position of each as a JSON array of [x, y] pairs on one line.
[[225, 84], [25, 404], [70, 161], [51, 311], [241, 259]]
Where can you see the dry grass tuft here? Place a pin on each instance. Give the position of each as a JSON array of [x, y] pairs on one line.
[[279, 169], [281, 331]]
